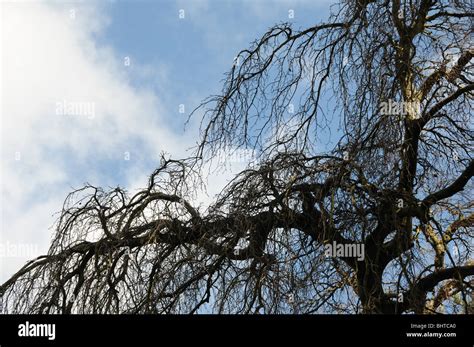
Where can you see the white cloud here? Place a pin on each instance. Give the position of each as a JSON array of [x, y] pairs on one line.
[[49, 57]]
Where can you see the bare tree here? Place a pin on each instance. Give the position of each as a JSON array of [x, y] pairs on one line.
[[393, 81]]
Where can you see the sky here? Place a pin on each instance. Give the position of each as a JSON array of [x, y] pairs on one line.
[[94, 91]]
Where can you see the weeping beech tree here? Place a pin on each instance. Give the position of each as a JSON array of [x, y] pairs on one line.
[[393, 82]]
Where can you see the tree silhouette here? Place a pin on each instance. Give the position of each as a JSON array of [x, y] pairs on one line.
[[393, 81]]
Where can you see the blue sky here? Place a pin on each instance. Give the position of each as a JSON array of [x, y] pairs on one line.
[[74, 53]]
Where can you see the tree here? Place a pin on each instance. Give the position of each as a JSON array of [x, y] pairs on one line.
[[397, 77]]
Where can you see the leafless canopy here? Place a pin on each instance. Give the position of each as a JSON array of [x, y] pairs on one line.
[[396, 182]]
